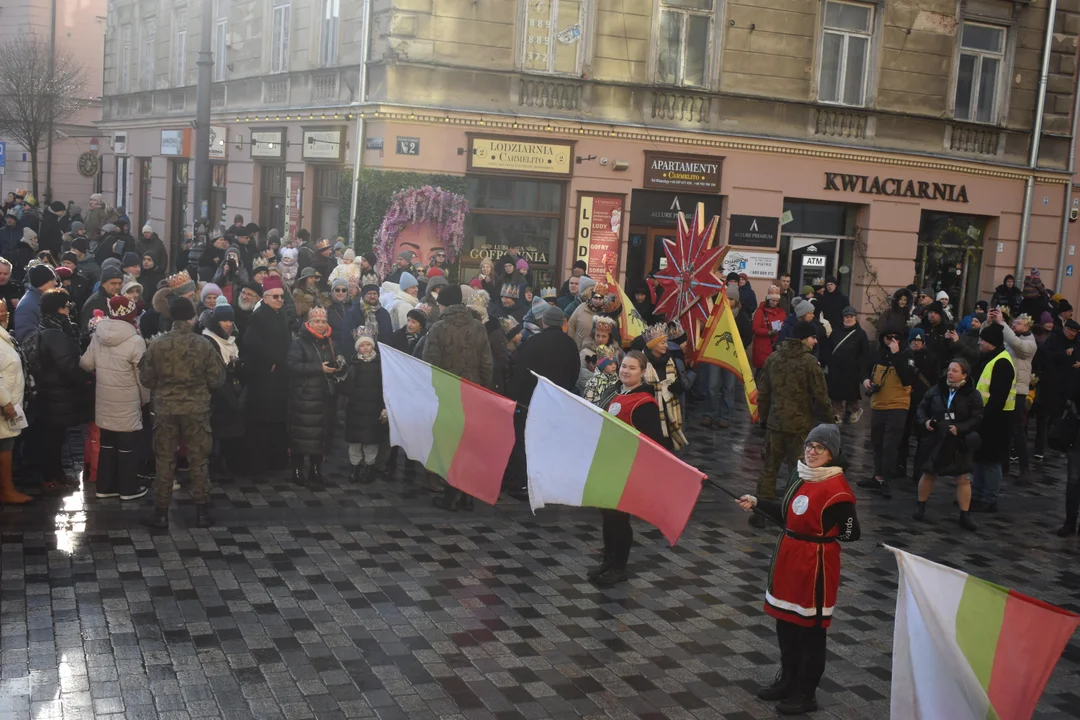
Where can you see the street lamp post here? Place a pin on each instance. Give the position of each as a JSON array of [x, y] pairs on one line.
[[205, 65]]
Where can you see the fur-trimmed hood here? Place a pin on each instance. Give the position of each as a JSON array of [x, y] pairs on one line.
[[161, 302]]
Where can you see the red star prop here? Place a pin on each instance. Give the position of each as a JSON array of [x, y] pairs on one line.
[[690, 280]]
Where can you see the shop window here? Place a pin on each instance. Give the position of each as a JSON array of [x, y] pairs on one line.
[[684, 42], [272, 198], [123, 180], [146, 179], [504, 213], [978, 72], [221, 39], [327, 197], [218, 195], [554, 37], [179, 228], [179, 49], [279, 36], [845, 53], [950, 257], [328, 40], [147, 53]]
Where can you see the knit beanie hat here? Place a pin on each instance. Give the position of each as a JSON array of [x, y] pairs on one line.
[[803, 307], [827, 435], [364, 336], [407, 281], [224, 313], [1046, 318], [436, 282], [368, 288], [993, 334], [339, 282], [147, 229], [181, 309], [553, 316], [41, 274], [539, 306], [79, 243], [371, 259], [121, 307], [522, 266], [803, 330], [435, 271], [209, 289], [111, 273], [419, 316], [773, 292], [916, 334], [807, 290], [69, 257], [450, 295]]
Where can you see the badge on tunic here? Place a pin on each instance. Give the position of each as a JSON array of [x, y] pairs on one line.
[[800, 504], [615, 408]]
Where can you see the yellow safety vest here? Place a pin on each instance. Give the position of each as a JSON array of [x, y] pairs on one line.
[[984, 381]]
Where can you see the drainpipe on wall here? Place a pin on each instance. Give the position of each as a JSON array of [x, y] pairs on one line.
[[1059, 279], [1036, 139], [358, 142]]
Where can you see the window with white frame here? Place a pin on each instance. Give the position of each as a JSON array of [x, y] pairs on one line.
[[684, 42], [125, 59], [328, 42], [221, 39], [179, 50], [554, 36], [978, 72], [147, 51], [279, 36], [845, 53]]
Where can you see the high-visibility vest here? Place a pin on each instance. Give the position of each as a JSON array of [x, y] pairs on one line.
[[984, 380]]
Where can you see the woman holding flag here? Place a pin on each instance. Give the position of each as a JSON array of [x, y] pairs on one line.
[[635, 405], [817, 512]]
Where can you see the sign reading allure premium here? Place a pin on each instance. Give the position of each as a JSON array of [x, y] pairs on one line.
[[661, 209], [754, 231], [517, 155], [896, 187], [599, 233], [670, 171]]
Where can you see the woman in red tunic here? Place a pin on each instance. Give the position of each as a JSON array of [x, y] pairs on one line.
[[817, 511], [635, 404]]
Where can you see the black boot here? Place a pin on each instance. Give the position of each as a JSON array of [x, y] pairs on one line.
[[315, 472], [797, 704], [871, 483], [781, 689], [448, 500], [920, 511], [297, 462], [357, 474], [157, 519], [965, 521], [202, 515], [1068, 529], [886, 493], [600, 569], [612, 576], [369, 475], [465, 502]]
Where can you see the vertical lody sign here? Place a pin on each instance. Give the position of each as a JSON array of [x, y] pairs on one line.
[[599, 233], [293, 203]]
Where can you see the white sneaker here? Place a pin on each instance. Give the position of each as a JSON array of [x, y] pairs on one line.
[[175, 486], [106, 496], [138, 494], [855, 416]]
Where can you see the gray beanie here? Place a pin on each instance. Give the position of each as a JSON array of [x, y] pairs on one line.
[[802, 307], [553, 317], [436, 282], [827, 434]]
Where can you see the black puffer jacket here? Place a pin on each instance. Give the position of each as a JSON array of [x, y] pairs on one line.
[[311, 395], [897, 317], [264, 353], [64, 390], [941, 452], [226, 401], [364, 390]]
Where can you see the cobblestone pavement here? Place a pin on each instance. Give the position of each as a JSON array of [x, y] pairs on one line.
[[342, 601]]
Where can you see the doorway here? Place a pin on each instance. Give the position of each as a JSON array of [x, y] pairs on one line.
[[272, 199], [950, 258], [179, 216]]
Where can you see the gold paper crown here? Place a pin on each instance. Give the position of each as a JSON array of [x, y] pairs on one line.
[[510, 291], [602, 320], [655, 334], [316, 313], [548, 292], [180, 278]]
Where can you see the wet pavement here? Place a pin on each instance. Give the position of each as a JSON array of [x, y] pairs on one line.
[[362, 602]]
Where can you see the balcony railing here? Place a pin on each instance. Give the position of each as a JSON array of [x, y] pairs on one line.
[[974, 139], [681, 106], [839, 123], [550, 94]]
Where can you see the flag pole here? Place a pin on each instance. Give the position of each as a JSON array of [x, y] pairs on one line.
[[724, 490]]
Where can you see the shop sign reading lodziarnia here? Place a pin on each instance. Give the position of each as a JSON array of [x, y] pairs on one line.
[[672, 171], [599, 233], [520, 155]]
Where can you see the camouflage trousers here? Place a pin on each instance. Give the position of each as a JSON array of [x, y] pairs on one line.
[[169, 432], [780, 447]]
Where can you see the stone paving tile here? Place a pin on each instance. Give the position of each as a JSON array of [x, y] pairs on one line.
[[365, 602]]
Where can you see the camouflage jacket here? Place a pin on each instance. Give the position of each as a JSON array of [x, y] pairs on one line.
[[792, 396], [181, 369]]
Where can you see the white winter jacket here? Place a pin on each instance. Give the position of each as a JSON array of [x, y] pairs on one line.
[[399, 314], [1022, 348], [12, 380], [114, 354]]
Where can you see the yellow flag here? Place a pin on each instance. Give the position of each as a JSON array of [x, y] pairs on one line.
[[722, 346], [630, 323]]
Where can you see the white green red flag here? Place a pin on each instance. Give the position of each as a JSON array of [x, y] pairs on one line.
[[581, 456], [967, 649], [455, 428]]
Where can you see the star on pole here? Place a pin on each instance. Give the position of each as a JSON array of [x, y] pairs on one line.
[[690, 280]]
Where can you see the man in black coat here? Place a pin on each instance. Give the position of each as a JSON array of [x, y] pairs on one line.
[[552, 354], [51, 236], [264, 354], [997, 384]]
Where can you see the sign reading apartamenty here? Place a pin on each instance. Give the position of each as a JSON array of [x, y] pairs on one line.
[[671, 171]]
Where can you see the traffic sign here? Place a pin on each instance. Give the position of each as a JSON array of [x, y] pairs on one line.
[[3, 154]]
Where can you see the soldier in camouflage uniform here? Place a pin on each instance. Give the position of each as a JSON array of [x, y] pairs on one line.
[[792, 401], [181, 369]]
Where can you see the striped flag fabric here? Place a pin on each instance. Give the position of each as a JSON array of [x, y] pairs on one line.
[[455, 428], [600, 461], [631, 325], [967, 649]]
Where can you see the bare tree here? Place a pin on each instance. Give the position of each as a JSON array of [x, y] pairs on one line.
[[31, 103]]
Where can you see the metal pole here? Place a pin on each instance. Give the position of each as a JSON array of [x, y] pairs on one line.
[[358, 142], [205, 65], [1062, 254], [52, 68], [1036, 139]]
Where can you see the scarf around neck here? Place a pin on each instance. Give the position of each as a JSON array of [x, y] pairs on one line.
[[818, 474], [229, 351], [323, 336]]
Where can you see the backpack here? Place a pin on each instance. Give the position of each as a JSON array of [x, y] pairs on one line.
[[31, 352]]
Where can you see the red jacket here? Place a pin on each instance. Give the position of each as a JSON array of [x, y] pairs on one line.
[[764, 316]]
